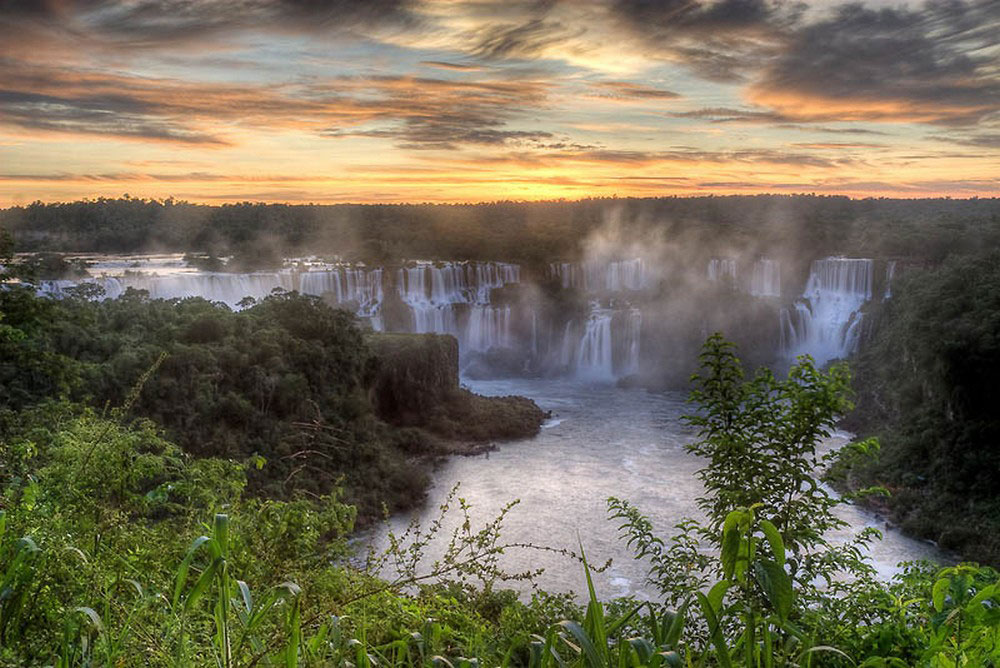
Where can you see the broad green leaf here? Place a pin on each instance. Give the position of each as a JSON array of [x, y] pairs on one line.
[[774, 540], [938, 593], [777, 586]]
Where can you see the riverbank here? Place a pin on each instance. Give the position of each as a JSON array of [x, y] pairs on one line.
[[601, 441]]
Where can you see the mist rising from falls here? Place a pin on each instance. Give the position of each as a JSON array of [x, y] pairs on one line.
[[825, 322]]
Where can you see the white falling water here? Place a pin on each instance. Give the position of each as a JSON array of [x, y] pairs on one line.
[[633, 333], [567, 348], [890, 273], [594, 356], [568, 275], [625, 275], [825, 322], [433, 291], [229, 289], [347, 284], [534, 332], [765, 279], [489, 326], [722, 269], [592, 276]]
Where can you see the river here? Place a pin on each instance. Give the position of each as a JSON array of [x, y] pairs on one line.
[[601, 441]]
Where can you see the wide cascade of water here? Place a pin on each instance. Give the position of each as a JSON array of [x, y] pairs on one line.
[[607, 344], [347, 284], [765, 276], [458, 298], [445, 298], [436, 293], [593, 276], [825, 322], [217, 287]]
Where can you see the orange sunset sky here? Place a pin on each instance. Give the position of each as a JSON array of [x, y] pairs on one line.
[[468, 100]]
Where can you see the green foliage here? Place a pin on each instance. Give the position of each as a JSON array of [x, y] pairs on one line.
[[761, 440], [926, 388], [104, 560], [767, 517]]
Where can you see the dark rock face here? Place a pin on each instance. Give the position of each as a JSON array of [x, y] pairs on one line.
[[416, 385], [416, 372]]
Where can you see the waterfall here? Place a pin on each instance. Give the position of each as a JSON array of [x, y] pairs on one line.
[[722, 269], [890, 272], [534, 332], [594, 276], [434, 291], [633, 332], [567, 349], [489, 326], [229, 289], [824, 323], [594, 358], [347, 284], [765, 280], [625, 275]]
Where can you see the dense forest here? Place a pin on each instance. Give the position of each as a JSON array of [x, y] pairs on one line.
[[291, 383], [925, 381], [533, 233]]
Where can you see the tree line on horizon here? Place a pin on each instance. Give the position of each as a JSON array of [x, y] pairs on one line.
[[533, 233]]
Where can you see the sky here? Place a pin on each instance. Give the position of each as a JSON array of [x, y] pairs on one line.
[[480, 100]]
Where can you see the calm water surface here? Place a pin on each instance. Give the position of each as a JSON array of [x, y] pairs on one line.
[[601, 441]]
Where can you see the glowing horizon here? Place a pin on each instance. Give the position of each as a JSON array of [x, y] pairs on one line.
[[462, 101]]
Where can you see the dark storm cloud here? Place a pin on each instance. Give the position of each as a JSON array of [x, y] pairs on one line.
[[150, 23], [679, 154], [519, 41], [417, 112], [117, 115], [936, 64], [426, 113], [720, 40], [663, 17], [446, 132]]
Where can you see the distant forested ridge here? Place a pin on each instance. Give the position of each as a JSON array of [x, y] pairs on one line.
[[528, 232]]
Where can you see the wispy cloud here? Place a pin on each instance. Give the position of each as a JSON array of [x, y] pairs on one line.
[[933, 65]]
